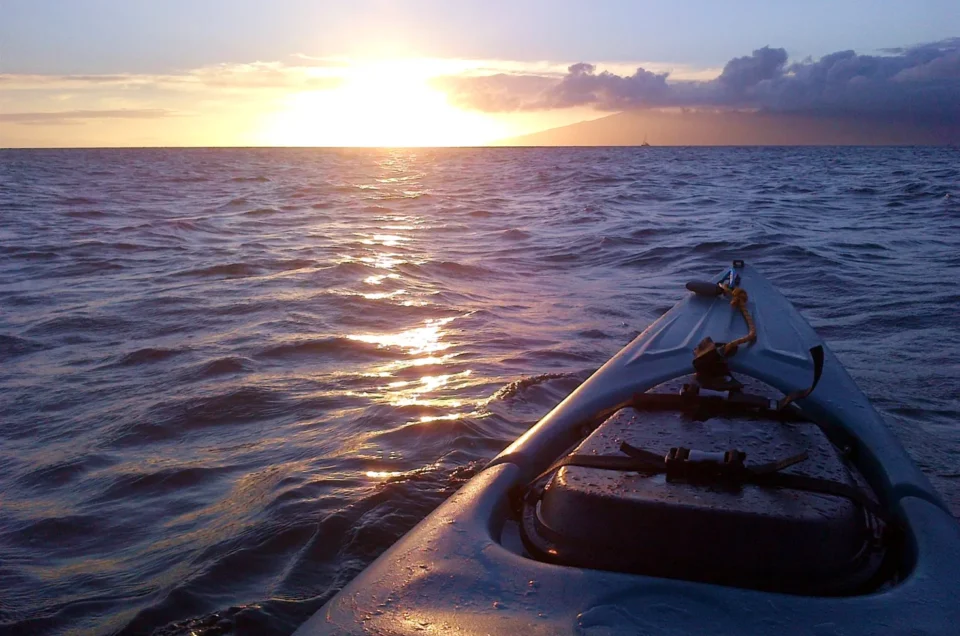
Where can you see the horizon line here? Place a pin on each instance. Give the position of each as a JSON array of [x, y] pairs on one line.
[[483, 146]]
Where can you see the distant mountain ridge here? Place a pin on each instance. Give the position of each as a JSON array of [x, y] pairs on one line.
[[739, 128]]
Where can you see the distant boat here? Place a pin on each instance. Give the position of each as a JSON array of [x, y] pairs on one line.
[[644, 144]]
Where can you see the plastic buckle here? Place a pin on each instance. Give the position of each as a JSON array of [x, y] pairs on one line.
[[684, 464], [708, 359], [690, 390]]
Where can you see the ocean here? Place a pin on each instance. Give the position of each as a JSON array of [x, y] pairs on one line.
[[230, 378]]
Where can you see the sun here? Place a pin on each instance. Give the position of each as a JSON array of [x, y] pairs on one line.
[[379, 104]]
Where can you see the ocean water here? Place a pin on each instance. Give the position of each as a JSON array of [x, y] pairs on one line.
[[229, 379]]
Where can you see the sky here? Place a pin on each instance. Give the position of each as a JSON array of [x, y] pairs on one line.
[[465, 72]]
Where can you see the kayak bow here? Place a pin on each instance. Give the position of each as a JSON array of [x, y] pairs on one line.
[[665, 497]]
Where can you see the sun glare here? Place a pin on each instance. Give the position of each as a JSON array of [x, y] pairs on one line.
[[380, 104]]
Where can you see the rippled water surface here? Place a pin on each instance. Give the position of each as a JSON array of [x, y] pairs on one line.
[[229, 379]]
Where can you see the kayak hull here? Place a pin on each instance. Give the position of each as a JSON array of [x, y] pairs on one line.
[[453, 574]]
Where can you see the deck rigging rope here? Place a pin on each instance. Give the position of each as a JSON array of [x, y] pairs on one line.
[[710, 358], [738, 298]]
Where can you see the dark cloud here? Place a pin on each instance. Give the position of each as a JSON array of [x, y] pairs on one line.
[[584, 86], [944, 67], [743, 73], [73, 116], [921, 81], [581, 86]]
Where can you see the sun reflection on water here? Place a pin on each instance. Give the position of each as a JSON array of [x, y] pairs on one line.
[[434, 382], [383, 261], [433, 398], [382, 295], [377, 279], [383, 474], [417, 341], [437, 394], [387, 240], [428, 393], [437, 418]]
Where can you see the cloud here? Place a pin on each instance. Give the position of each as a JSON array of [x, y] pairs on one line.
[[944, 67], [921, 81], [742, 73], [501, 92], [73, 116], [328, 62], [584, 86], [252, 76], [268, 75]]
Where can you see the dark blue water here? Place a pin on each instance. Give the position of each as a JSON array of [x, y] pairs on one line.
[[229, 379]]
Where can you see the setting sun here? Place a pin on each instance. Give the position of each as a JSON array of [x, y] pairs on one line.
[[379, 104]]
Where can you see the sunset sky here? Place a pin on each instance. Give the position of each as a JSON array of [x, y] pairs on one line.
[[440, 73]]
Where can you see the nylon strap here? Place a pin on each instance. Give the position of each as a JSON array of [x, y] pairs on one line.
[[764, 475], [652, 465], [817, 354], [806, 483], [776, 466], [741, 403]]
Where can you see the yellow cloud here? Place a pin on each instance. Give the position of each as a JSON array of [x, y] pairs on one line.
[[258, 75]]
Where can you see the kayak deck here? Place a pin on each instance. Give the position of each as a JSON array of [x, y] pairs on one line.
[[460, 569], [710, 530]]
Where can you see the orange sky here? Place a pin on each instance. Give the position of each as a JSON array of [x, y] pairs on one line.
[[304, 102], [438, 73]]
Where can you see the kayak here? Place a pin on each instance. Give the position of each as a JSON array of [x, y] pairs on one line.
[[721, 474]]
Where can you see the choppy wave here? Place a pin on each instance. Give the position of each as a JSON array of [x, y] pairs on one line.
[[229, 386]]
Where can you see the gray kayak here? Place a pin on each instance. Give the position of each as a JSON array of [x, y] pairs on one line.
[[746, 491]]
